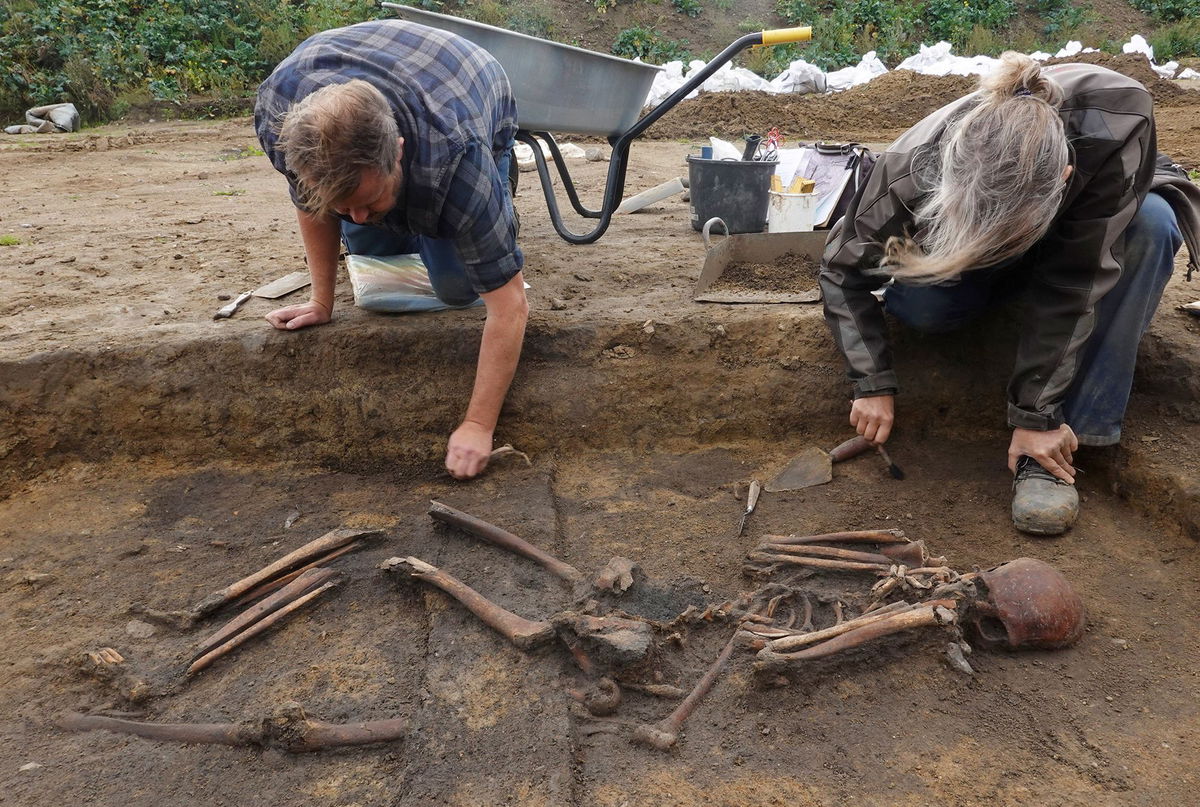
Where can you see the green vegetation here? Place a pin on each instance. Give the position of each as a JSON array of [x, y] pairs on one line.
[[1169, 10], [649, 46], [9, 241], [100, 53], [1176, 40], [230, 192], [691, 8]]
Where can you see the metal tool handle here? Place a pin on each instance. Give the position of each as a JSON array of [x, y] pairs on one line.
[[708, 226]]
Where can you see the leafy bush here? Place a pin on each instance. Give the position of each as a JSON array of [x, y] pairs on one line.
[[1170, 10], [92, 52], [646, 44], [692, 8], [1176, 41]]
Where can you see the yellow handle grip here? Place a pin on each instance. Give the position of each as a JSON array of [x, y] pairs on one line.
[[781, 36]]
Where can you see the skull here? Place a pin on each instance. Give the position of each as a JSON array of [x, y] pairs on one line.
[[1027, 603]]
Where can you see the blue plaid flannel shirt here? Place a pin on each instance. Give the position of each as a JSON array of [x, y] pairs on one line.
[[456, 113]]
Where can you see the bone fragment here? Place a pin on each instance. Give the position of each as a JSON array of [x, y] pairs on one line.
[[851, 537], [816, 550], [838, 617], [506, 449], [820, 563], [617, 575], [303, 584], [910, 554], [786, 643], [105, 656], [279, 582], [287, 729], [601, 700], [523, 633], [664, 734], [314, 549], [504, 539], [258, 627], [657, 690], [893, 623], [956, 659]]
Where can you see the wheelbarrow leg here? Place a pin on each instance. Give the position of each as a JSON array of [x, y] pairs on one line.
[[613, 188]]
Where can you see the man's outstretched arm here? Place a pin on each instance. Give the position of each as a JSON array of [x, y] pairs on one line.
[[322, 242], [499, 351]]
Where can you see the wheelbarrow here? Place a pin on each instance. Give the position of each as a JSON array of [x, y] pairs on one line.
[[562, 88]]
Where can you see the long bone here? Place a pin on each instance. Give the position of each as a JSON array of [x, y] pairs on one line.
[[505, 540], [816, 550], [288, 728], [849, 537], [665, 733], [820, 563], [905, 620], [258, 627], [523, 633], [297, 588], [281, 581], [313, 549], [796, 640]]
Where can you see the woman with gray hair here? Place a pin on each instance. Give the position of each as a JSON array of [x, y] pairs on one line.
[[1047, 181]]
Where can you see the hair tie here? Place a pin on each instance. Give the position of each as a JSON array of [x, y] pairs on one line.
[[1022, 91]]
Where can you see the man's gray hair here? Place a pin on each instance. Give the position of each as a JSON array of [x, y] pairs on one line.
[[997, 183], [330, 136]]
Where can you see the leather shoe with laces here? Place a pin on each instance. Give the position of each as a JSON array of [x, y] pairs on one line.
[[1042, 503]]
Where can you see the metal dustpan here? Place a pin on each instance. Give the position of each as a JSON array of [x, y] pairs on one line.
[[755, 248]]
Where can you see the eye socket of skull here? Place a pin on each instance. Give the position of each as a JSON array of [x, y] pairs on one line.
[[1033, 603]]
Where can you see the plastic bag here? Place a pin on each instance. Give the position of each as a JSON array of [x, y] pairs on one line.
[[394, 284]]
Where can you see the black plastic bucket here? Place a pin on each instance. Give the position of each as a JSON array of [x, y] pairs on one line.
[[735, 190]]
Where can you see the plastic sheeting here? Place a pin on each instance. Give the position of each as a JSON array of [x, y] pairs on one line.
[[936, 60]]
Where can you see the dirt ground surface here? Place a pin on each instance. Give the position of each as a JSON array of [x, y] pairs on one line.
[[149, 455]]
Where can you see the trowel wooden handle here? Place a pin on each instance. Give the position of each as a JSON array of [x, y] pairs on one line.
[[781, 36], [851, 449]]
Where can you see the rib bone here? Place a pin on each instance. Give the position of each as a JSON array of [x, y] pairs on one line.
[[820, 563], [817, 550], [504, 539], [523, 633], [787, 643]]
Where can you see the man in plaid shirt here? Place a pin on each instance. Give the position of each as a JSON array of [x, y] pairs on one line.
[[396, 138]]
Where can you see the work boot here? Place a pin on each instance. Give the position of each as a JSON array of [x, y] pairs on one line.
[[1042, 503]]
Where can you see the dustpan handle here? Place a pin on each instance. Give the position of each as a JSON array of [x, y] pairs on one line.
[[708, 226]]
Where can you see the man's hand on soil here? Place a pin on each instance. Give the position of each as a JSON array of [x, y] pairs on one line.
[[468, 451], [873, 417], [300, 316], [1053, 450]]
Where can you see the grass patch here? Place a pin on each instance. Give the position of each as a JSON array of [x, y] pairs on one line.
[[230, 192], [9, 241]]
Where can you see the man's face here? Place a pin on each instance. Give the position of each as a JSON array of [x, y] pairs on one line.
[[375, 195]]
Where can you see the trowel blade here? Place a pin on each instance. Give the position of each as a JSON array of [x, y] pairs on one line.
[[811, 466]]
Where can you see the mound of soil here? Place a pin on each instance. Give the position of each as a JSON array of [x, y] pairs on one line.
[[789, 273], [1137, 67], [878, 110], [889, 104]]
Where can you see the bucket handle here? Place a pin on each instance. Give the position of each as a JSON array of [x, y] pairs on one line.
[[708, 226]]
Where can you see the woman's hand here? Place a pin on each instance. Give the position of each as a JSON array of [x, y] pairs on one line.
[[873, 417]]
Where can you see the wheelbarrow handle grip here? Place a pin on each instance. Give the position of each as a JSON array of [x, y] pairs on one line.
[[781, 36]]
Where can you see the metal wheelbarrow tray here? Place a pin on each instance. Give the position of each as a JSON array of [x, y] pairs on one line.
[[567, 89]]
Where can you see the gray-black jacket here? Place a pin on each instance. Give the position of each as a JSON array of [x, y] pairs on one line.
[[1109, 123]]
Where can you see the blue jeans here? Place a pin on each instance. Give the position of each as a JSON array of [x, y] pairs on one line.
[[1095, 403], [447, 274]]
